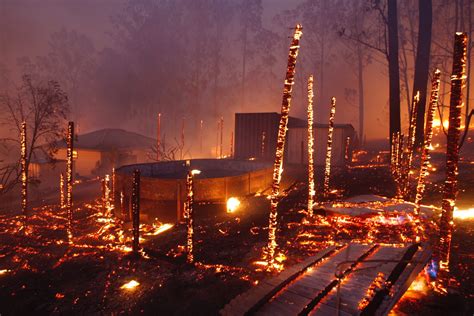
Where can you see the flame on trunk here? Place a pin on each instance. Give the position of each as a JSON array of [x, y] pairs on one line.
[[425, 154], [327, 168], [280, 147], [311, 191], [452, 151], [189, 213], [158, 137], [69, 177], [24, 171], [410, 146], [61, 191], [136, 210]]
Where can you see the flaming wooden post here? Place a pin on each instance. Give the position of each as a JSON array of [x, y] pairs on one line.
[[182, 140], [278, 166], [24, 171], [217, 138], [69, 177], [327, 169], [222, 138], [113, 188], [262, 149], [410, 146], [231, 144], [399, 162], [158, 138], [393, 153], [425, 154], [347, 149], [136, 211], [61, 191], [311, 191], [452, 151], [200, 136], [189, 213], [106, 197]]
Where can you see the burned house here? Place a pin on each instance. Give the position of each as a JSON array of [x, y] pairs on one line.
[[96, 153]]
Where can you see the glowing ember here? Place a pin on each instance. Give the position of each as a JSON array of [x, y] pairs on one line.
[[232, 204], [464, 214], [4, 271], [129, 286]]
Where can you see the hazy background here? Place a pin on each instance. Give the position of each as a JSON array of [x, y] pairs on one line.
[[133, 59]]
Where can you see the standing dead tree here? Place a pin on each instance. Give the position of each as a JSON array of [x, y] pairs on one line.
[[278, 165], [425, 154], [452, 151], [43, 106], [311, 191]]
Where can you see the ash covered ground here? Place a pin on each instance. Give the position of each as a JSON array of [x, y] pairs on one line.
[[42, 274]]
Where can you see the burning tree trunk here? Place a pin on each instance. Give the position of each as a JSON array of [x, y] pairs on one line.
[[280, 147], [221, 137], [182, 141], [231, 145], [452, 152], [136, 211], [106, 196], [61, 191], [410, 146], [425, 154], [327, 169], [188, 212], [399, 164], [158, 138], [311, 191], [24, 172], [69, 177], [347, 150]]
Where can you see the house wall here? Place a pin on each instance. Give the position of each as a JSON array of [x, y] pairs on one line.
[[87, 162]]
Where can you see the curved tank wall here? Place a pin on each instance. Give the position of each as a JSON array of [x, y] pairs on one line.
[[163, 185]]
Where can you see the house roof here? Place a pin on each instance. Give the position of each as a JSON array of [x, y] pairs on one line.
[[111, 139]]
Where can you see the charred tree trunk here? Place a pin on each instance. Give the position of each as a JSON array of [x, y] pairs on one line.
[[393, 68], [452, 150], [24, 172], [69, 178], [280, 148], [136, 211], [360, 78], [425, 154], [422, 64], [311, 191]]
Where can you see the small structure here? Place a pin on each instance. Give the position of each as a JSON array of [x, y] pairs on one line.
[[96, 153], [249, 143], [163, 185]]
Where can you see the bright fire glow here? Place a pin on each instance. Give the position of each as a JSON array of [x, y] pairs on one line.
[[232, 204], [130, 285], [464, 214]]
